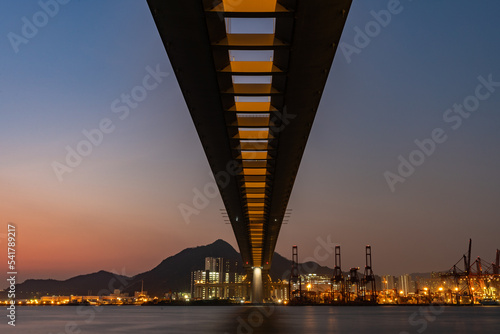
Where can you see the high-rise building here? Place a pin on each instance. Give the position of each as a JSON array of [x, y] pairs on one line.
[[405, 284], [214, 263], [388, 282], [210, 283]]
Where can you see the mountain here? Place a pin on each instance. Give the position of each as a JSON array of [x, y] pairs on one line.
[[173, 273], [79, 285], [281, 268]]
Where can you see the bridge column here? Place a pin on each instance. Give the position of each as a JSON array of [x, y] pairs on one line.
[[257, 286]]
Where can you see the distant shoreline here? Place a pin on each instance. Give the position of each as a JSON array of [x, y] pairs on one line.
[[248, 304]]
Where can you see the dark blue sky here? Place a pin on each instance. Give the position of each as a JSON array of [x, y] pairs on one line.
[[120, 203]]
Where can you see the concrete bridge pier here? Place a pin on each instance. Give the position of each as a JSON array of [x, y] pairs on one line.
[[257, 286]]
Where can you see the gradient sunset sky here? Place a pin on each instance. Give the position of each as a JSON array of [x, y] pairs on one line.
[[118, 209]]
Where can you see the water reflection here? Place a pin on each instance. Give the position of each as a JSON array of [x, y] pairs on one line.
[[254, 319], [266, 319]]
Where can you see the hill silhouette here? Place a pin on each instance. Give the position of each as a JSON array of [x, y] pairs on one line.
[[172, 274], [93, 284]]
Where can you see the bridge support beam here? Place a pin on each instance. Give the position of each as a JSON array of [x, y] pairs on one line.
[[257, 286]]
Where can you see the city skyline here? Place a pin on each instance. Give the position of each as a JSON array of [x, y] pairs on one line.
[[306, 269], [215, 277], [119, 205]]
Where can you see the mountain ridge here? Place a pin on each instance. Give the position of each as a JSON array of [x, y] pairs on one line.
[[171, 274]]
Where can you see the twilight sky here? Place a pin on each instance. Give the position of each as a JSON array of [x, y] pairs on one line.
[[118, 207]]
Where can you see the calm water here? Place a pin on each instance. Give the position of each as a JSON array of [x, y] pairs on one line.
[[246, 320]]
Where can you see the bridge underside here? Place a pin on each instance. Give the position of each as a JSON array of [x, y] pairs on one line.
[[252, 73]]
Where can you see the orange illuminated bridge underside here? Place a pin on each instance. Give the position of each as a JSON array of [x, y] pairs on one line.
[[240, 65], [252, 6]]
